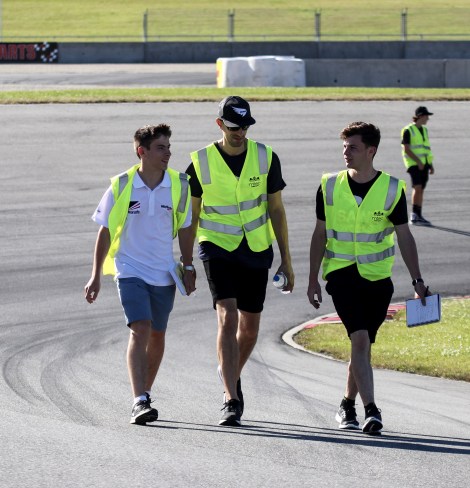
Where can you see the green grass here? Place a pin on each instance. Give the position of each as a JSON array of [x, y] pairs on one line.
[[122, 20], [122, 95], [441, 349]]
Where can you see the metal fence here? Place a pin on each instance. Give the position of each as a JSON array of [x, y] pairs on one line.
[[268, 24], [252, 24]]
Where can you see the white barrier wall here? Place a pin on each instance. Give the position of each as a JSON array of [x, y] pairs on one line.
[[260, 71]]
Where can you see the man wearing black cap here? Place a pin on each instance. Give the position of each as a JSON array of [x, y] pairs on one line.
[[236, 188], [418, 159]]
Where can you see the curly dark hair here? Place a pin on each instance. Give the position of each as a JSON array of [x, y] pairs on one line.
[[145, 135], [370, 134]]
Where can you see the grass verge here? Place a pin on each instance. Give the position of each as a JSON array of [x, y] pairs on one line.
[[203, 94], [441, 349]]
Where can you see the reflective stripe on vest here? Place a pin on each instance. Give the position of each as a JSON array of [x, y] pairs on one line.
[[233, 209], [359, 237], [391, 193], [233, 230], [365, 258]]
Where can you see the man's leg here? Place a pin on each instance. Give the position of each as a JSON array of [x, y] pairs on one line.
[[137, 363], [155, 350], [227, 346], [247, 336], [417, 195], [360, 375]]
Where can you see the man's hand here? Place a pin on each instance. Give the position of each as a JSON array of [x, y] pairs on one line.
[[92, 288], [314, 289]]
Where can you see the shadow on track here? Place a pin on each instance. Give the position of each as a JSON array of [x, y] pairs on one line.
[[388, 440]]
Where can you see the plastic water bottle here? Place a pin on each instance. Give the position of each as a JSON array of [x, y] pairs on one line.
[[280, 281]]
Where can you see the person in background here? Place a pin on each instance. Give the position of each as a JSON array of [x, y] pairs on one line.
[[418, 159], [236, 185], [139, 215], [358, 212]]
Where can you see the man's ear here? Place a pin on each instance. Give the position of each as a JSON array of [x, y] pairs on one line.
[[140, 151], [219, 123]]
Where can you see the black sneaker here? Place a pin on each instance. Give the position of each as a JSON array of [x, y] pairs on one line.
[[143, 412], [232, 414], [239, 390], [373, 424], [346, 416]]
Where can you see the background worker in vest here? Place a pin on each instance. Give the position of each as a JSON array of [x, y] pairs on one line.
[[236, 188], [140, 214], [418, 159], [358, 211]]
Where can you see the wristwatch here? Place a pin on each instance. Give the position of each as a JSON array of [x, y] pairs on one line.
[[188, 267], [416, 281]]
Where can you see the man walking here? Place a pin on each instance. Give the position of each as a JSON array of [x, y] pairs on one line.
[[140, 214], [358, 211], [418, 159], [236, 186]]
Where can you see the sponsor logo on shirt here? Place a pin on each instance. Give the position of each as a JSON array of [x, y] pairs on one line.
[[166, 207], [254, 181], [134, 208], [378, 216]]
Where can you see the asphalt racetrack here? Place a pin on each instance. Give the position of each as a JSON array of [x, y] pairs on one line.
[[64, 389]]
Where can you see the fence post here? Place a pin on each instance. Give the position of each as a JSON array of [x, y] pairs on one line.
[[404, 24], [145, 24], [231, 25], [318, 24]]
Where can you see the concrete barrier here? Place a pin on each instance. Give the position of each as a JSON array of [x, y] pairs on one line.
[[260, 71]]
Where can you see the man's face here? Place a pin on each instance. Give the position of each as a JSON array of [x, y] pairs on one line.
[[158, 154], [423, 119], [234, 136], [356, 154]]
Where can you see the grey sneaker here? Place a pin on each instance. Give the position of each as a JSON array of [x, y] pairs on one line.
[[373, 424], [347, 418], [143, 412], [231, 416]]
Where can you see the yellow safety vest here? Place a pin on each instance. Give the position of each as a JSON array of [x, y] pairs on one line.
[[360, 234], [122, 188], [419, 144], [231, 206]]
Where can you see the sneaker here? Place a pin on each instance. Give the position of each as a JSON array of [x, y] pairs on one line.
[[231, 416], [415, 219], [239, 390], [143, 412], [346, 416], [373, 424]]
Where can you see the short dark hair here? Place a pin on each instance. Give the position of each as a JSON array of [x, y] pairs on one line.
[[370, 134], [145, 135]]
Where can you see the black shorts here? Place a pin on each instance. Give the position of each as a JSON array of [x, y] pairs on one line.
[[229, 279], [419, 176], [361, 304]]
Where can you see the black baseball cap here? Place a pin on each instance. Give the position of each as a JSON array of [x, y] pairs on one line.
[[422, 111], [235, 112]]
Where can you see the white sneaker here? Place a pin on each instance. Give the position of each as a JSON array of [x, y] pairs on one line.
[[414, 218]]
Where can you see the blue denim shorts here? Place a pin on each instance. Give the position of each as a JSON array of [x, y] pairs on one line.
[[141, 301]]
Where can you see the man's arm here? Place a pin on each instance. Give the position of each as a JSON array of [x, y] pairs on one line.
[[186, 243], [103, 242], [413, 156], [317, 250], [278, 218], [409, 253]]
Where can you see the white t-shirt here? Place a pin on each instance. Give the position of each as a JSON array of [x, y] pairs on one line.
[[146, 247]]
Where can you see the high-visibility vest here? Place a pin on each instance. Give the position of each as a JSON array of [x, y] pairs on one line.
[[233, 207], [360, 234], [122, 189], [419, 144]]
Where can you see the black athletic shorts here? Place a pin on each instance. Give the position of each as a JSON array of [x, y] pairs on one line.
[[361, 304], [419, 176], [229, 279]]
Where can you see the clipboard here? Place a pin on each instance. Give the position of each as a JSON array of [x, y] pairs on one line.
[[176, 271], [418, 314]]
